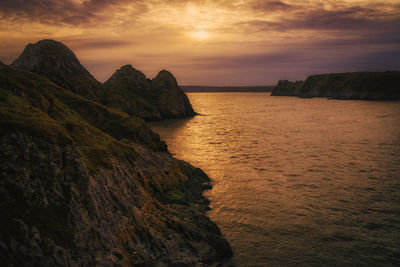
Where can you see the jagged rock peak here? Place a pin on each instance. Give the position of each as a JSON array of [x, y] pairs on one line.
[[171, 101], [128, 74], [127, 69], [57, 62], [47, 51], [167, 77], [165, 72], [127, 90]]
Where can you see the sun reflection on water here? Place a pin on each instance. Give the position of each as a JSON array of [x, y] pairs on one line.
[[297, 181]]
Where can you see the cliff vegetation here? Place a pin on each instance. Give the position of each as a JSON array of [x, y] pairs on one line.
[[84, 184]]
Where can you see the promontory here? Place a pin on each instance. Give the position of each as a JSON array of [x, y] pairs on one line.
[[84, 181], [354, 85]]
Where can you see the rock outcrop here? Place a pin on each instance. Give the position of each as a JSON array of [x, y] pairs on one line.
[[287, 88], [87, 185], [169, 99], [58, 63], [356, 85], [128, 89]]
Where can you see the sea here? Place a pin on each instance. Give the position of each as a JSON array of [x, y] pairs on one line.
[[297, 181]]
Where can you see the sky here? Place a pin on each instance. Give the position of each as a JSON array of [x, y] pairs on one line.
[[202, 42]]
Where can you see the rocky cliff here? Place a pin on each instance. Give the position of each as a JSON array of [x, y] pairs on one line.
[[169, 99], [128, 89], [57, 62], [287, 88], [356, 85], [87, 185]]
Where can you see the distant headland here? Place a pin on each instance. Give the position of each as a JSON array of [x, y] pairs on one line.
[[352, 85]]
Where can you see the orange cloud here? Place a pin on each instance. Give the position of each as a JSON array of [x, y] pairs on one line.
[[211, 42]]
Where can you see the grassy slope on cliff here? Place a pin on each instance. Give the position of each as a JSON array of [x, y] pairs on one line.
[[132, 206], [128, 89], [36, 104]]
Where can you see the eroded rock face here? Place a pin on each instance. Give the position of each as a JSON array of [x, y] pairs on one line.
[[287, 88], [129, 78], [57, 62], [160, 98], [170, 100], [85, 185], [55, 212], [127, 90]]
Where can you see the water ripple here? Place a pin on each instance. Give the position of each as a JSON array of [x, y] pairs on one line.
[[298, 181]]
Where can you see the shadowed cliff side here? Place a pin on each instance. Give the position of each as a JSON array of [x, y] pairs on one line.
[[169, 99], [57, 62], [355, 85], [128, 89], [287, 88], [83, 185]]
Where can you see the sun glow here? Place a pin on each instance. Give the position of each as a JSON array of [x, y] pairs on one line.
[[200, 35]]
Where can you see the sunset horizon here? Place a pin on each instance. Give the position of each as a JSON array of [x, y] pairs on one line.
[[222, 43], [181, 133]]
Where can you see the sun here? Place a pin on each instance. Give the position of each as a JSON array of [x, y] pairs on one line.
[[200, 34]]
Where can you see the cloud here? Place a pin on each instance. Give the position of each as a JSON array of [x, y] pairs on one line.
[[83, 44], [348, 19], [253, 41], [71, 12], [270, 6], [378, 61]]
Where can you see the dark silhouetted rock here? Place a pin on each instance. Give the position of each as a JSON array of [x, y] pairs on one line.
[[82, 184], [127, 90], [356, 85], [169, 99], [353, 85], [287, 88], [57, 62]]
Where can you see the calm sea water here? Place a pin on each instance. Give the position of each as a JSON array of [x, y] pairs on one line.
[[297, 181]]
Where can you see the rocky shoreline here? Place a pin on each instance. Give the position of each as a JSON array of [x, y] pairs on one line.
[[83, 184]]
